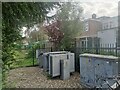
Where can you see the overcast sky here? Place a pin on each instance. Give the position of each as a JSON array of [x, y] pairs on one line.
[[101, 9], [98, 8]]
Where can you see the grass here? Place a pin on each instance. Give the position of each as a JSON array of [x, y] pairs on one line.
[[21, 59], [23, 63]]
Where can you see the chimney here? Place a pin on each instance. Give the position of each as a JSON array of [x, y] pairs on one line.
[[93, 16]]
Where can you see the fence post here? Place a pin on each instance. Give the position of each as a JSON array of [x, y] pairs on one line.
[[96, 48], [76, 57], [33, 55], [51, 49], [116, 49]]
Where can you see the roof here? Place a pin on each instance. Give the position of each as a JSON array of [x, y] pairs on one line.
[[86, 36], [99, 56], [89, 19], [57, 52]]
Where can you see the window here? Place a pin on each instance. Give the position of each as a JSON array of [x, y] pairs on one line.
[[110, 24], [104, 27], [86, 26], [107, 26]]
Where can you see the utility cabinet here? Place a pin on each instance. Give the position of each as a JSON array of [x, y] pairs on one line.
[[58, 57], [54, 65], [39, 56], [37, 53], [71, 58], [64, 69], [40, 61], [46, 59], [96, 70], [54, 69], [52, 60]]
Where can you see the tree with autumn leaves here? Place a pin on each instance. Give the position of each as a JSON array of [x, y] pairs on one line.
[[54, 33]]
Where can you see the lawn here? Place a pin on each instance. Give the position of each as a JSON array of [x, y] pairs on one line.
[[22, 59]]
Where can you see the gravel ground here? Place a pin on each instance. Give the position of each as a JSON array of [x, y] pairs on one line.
[[35, 77]]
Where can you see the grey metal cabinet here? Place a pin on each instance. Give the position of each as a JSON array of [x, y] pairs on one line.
[[96, 69], [46, 59], [71, 58], [37, 53], [60, 56], [39, 57], [64, 69], [51, 63], [54, 65], [54, 68]]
